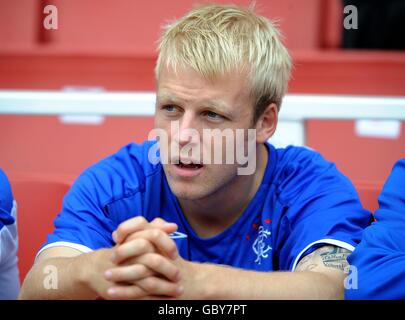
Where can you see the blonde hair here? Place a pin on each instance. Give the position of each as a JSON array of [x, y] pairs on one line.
[[215, 40]]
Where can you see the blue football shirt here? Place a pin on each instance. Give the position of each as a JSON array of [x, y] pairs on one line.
[[303, 202], [9, 276], [379, 260]]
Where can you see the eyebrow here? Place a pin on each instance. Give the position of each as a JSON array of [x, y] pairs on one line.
[[167, 98], [218, 105]]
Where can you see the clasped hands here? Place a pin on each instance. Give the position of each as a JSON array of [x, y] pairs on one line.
[[144, 263]]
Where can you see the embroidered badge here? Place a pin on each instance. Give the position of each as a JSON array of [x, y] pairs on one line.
[[260, 246]]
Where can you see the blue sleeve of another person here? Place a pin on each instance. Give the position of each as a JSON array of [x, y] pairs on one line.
[[379, 260], [6, 201], [9, 277]]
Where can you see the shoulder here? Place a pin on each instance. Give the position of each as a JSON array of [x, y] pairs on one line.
[[119, 175], [301, 171], [396, 179], [400, 166], [392, 197], [300, 158]]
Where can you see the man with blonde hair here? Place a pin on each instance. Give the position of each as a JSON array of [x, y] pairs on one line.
[[188, 226]]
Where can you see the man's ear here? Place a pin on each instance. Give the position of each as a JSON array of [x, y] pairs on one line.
[[267, 123]]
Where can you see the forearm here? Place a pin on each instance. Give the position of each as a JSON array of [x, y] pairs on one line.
[[58, 278], [219, 282]]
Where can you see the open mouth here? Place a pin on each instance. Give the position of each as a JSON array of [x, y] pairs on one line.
[[192, 166], [187, 168]]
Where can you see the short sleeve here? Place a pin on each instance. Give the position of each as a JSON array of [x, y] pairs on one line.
[[99, 201], [83, 223], [321, 207]]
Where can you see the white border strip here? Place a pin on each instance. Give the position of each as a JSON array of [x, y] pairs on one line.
[[337, 243], [77, 103], [72, 245], [14, 211], [295, 106]]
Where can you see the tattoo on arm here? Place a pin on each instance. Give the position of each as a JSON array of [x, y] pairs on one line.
[[326, 256], [336, 257]]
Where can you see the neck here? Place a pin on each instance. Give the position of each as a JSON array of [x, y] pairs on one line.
[[211, 215]]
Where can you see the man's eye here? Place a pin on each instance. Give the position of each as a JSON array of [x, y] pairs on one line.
[[213, 116], [169, 108]]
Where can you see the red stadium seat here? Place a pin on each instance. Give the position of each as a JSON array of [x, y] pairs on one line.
[[368, 193], [39, 199]]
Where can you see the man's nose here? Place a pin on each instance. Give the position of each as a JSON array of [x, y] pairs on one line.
[[187, 132]]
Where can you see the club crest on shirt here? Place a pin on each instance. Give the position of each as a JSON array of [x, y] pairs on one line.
[[178, 235], [260, 245]]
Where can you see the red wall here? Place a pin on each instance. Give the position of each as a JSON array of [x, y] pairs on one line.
[[94, 26], [45, 145]]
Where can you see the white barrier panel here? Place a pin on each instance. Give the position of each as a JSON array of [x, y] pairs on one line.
[[291, 130], [295, 107]]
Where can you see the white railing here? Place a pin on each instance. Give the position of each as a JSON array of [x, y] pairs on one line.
[[296, 108]]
